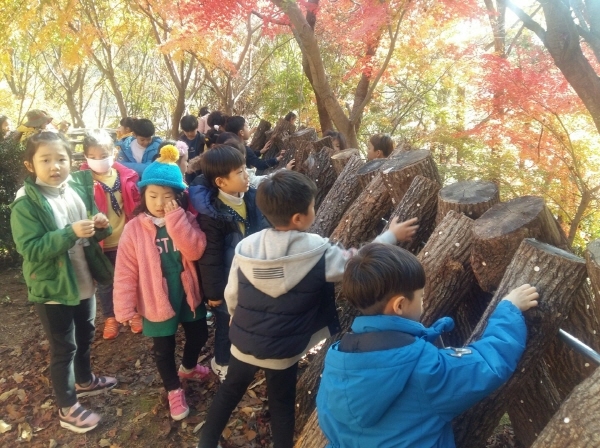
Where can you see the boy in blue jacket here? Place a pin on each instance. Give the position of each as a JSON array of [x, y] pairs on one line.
[[420, 388], [140, 150]]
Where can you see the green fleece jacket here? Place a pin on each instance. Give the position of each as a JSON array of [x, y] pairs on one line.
[[47, 267]]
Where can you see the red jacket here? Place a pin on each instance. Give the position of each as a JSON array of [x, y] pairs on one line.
[[139, 282], [129, 190]]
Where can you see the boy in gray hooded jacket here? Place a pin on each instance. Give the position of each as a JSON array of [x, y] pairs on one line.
[[281, 298]]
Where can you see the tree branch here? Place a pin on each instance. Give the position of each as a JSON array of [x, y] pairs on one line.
[[527, 20]]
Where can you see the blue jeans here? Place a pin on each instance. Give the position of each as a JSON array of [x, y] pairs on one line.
[[222, 342], [104, 293], [70, 331]]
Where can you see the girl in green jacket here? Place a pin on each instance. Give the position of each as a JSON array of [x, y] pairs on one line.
[[56, 228]]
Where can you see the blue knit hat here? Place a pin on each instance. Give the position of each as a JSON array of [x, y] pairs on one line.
[[164, 171]]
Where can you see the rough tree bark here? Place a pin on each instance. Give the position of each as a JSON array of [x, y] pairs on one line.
[[340, 159], [259, 139], [313, 437], [498, 233], [471, 197], [420, 201], [445, 259], [320, 169], [343, 192], [592, 258], [467, 315], [576, 423], [368, 171], [399, 172], [556, 274], [279, 137]]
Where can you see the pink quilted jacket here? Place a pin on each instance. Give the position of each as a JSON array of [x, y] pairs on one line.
[[139, 283]]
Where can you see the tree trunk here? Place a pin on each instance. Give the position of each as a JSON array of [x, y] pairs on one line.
[[279, 137], [320, 169], [302, 149], [467, 315], [592, 258], [360, 222], [498, 233], [556, 274], [399, 172], [471, 197], [576, 423], [325, 142], [177, 114], [259, 139], [313, 437], [420, 201], [340, 159], [368, 171], [445, 259], [343, 192]]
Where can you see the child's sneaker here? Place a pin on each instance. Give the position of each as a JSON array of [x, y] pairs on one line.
[[78, 419], [177, 405], [98, 385], [111, 328], [136, 324], [198, 373], [220, 371]]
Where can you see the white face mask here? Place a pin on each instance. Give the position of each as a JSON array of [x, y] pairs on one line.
[[101, 166]]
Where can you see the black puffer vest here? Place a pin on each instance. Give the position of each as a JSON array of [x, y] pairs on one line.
[[280, 328]]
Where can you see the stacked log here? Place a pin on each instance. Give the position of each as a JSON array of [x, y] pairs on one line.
[[471, 197], [368, 171], [320, 169], [260, 138], [592, 258], [341, 158], [278, 137]]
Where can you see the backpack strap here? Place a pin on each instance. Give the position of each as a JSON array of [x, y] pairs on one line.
[[374, 341]]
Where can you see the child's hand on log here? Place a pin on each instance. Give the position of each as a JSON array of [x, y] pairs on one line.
[[291, 164], [523, 297], [266, 147], [404, 231]]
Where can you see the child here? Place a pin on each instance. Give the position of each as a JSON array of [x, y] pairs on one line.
[[116, 195], [380, 146], [339, 141], [156, 273], [125, 128], [227, 212], [190, 136], [138, 151], [238, 126], [291, 117], [56, 228], [280, 295], [385, 384]]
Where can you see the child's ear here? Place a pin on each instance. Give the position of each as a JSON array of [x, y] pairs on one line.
[[29, 166], [296, 218], [219, 182], [395, 305]]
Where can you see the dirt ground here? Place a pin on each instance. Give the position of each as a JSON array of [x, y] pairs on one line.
[[135, 413]]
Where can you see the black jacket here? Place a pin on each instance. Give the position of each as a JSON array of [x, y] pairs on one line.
[[252, 160]]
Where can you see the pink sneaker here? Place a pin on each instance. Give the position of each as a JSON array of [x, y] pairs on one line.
[[78, 419], [199, 373], [177, 405]]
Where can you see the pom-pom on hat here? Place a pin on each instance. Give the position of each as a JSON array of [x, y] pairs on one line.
[[164, 171]]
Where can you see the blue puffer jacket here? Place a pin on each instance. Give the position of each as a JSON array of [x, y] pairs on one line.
[[125, 156], [222, 234], [408, 396]]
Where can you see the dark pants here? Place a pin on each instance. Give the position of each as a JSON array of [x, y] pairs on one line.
[[104, 293], [222, 343], [281, 391], [70, 331], [196, 334]]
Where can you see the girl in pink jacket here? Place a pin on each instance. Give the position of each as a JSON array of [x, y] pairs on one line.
[[156, 277]]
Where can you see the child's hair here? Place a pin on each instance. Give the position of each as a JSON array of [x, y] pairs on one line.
[[127, 122], [233, 140], [220, 161], [203, 111], [283, 194], [44, 138], [182, 148], [235, 124], [379, 272], [210, 138], [97, 137], [180, 196], [216, 118], [337, 136], [143, 128], [289, 116], [383, 143], [189, 123]]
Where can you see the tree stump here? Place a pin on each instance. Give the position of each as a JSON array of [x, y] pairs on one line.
[[341, 158], [592, 258], [445, 259], [299, 150], [359, 223], [471, 197], [279, 137], [343, 192], [313, 437], [499, 231], [420, 201], [320, 169], [399, 172], [259, 139], [576, 423], [325, 142], [368, 171], [557, 275]]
